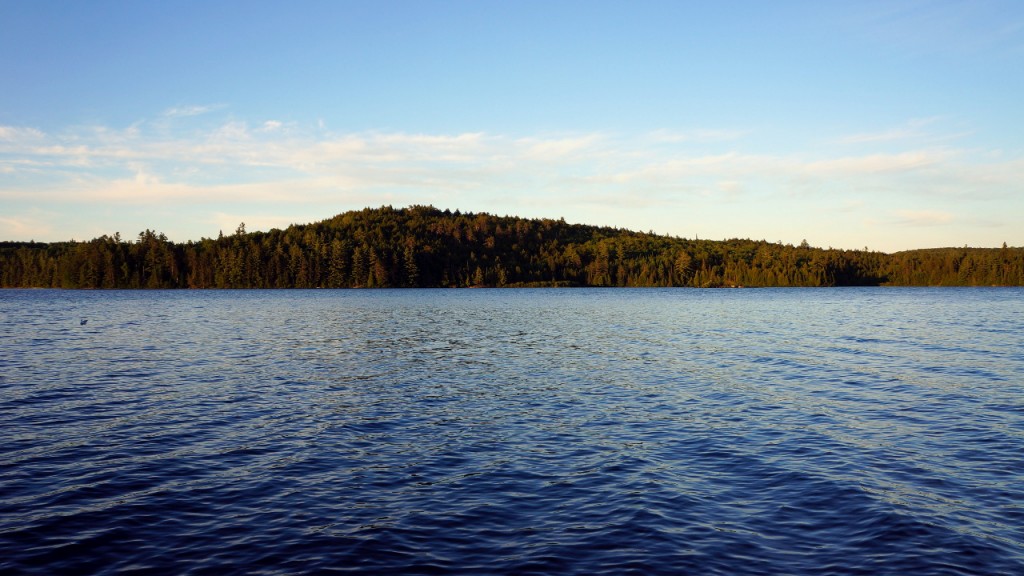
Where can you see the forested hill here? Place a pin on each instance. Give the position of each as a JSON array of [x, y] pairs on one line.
[[422, 246]]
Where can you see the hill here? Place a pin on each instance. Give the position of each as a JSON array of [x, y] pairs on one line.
[[422, 246]]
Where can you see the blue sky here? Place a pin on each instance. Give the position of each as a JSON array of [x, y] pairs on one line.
[[891, 124]]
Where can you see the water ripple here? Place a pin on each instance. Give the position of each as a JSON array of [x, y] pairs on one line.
[[513, 432]]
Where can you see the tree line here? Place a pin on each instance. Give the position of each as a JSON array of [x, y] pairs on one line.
[[422, 246]]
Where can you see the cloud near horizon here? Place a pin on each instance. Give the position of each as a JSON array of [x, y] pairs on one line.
[[924, 218], [282, 172]]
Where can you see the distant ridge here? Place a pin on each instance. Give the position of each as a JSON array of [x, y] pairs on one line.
[[423, 246]]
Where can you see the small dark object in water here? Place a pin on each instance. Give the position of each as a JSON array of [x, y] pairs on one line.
[[82, 323]]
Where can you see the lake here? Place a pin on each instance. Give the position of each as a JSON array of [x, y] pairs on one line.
[[581, 431]]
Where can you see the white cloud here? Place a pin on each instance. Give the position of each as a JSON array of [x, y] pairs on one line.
[[876, 163], [278, 167], [23, 227], [20, 134], [557, 148], [943, 28], [913, 128], [187, 111], [150, 166], [923, 218], [852, 205], [681, 167], [730, 188], [233, 131], [696, 136]]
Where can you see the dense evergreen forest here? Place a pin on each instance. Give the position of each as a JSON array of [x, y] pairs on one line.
[[423, 246]]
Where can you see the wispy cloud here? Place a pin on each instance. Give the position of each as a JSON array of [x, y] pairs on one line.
[[290, 170], [911, 129], [20, 134], [876, 163], [272, 126], [230, 152], [700, 135], [22, 227], [923, 218], [556, 149], [941, 28], [187, 111]]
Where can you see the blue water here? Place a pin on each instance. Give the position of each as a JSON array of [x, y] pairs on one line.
[[677, 431]]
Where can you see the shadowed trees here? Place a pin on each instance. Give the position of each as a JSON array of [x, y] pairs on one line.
[[422, 246]]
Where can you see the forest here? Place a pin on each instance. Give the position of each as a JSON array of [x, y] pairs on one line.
[[423, 246]]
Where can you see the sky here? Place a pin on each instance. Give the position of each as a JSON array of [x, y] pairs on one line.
[[890, 125]]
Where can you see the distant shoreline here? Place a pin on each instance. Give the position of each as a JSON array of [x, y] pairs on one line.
[[424, 247]]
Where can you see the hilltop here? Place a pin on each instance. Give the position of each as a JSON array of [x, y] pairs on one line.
[[423, 246]]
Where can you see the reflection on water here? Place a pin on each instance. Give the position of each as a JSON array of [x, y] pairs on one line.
[[513, 431]]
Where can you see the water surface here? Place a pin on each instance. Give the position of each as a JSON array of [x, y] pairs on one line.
[[797, 431]]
